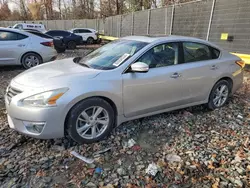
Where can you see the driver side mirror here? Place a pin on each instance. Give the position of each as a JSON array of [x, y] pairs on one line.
[[139, 67]]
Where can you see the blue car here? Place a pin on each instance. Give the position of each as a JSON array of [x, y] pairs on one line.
[[70, 39]]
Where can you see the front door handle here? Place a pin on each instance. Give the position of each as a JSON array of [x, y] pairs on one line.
[[214, 67], [176, 75]]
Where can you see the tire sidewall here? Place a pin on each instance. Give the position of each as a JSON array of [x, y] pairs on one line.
[[78, 109], [90, 40], [71, 45], [28, 54], [211, 96]]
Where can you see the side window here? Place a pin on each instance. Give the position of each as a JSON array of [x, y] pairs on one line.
[[21, 37], [161, 55], [19, 26], [84, 31], [6, 36], [76, 31], [215, 53], [63, 33], [196, 52]]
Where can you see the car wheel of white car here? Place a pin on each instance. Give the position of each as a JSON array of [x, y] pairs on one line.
[[31, 60], [90, 40], [219, 94], [90, 121]]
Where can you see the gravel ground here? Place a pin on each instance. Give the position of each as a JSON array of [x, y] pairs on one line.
[[192, 147]]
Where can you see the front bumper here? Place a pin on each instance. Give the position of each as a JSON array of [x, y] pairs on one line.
[[51, 118]]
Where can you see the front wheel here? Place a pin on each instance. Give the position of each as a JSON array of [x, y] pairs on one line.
[[90, 120], [219, 95]]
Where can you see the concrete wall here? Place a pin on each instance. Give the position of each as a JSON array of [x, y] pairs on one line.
[[232, 17], [188, 19]]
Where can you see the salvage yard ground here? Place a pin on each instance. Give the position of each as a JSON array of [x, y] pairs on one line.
[[192, 147]]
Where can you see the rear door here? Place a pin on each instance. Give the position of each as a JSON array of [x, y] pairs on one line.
[[199, 70], [12, 45]]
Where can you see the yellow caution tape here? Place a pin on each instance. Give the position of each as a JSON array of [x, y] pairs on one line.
[[244, 57], [108, 37]]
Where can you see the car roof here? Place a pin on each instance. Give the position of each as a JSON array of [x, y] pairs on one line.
[[84, 28], [170, 38], [14, 30], [57, 30]]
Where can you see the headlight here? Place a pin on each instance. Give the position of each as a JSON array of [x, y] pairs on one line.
[[44, 99]]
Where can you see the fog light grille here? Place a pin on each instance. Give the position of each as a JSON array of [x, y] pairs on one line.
[[34, 127]]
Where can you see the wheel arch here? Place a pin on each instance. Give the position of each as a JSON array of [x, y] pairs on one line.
[[107, 99], [229, 80], [20, 60]]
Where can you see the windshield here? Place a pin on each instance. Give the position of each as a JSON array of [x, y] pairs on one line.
[[112, 54]]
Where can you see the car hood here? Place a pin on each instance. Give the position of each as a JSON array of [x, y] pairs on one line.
[[57, 72]]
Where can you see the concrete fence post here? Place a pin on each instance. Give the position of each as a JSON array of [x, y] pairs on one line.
[[172, 20], [166, 20], [148, 21], [117, 26], [132, 24], [120, 29], [210, 20], [111, 30]]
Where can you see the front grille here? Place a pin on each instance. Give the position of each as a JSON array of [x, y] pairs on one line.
[[11, 92]]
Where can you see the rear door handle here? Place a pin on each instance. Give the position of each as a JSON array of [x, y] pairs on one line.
[[214, 67], [176, 75], [21, 45]]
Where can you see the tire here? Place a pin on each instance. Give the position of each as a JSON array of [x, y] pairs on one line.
[[31, 60], [71, 45], [212, 104], [90, 40], [76, 120]]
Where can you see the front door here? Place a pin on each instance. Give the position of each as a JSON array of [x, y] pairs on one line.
[[160, 88]]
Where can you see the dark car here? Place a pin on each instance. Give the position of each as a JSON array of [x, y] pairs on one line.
[[70, 39], [58, 42]]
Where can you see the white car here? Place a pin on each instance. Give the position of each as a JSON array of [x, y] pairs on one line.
[[22, 48], [88, 35], [30, 26]]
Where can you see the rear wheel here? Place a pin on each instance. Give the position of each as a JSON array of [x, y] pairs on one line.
[[90, 121], [31, 60], [71, 45], [219, 94], [90, 40]]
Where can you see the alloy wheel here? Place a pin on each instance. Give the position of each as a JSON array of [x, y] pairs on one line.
[[220, 95], [92, 122], [31, 61]]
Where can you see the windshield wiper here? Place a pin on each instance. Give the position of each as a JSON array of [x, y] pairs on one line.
[[77, 60]]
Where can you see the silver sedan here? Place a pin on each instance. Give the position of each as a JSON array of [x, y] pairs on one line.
[[130, 78]]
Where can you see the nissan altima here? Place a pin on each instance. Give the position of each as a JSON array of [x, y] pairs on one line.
[[130, 78]]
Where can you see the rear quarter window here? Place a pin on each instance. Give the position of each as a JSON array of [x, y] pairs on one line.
[[215, 53]]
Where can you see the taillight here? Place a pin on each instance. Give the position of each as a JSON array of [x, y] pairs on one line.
[[240, 63], [49, 44]]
